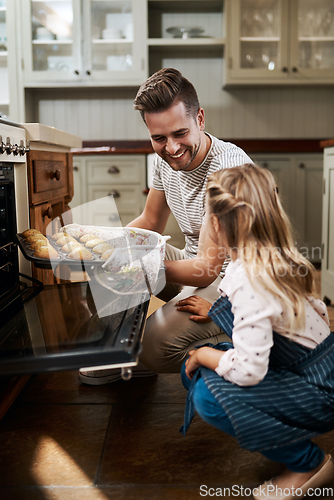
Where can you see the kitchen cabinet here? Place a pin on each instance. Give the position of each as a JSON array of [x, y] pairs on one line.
[[327, 262], [50, 190], [280, 42], [109, 189], [84, 42], [185, 28], [299, 181], [50, 182], [8, 70]]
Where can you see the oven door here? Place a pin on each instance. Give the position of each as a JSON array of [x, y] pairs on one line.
[[61, 327]]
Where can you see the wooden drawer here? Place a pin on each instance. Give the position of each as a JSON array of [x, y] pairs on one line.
[[48, 175], [116, 170]]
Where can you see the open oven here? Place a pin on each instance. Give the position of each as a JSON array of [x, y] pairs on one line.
[[55, 327]]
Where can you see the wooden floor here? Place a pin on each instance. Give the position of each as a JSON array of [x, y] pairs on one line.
[[62, 441]]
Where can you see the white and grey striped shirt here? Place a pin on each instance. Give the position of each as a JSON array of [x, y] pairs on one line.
[[185, 190]]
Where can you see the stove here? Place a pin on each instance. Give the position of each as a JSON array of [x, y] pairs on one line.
[[54, 327]]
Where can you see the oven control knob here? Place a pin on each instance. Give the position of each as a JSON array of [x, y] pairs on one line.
[[8, 147], [15, 150], [21, 148], [27, 148], [2, 145]]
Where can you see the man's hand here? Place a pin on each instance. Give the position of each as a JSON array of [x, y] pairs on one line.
[[197, 306]]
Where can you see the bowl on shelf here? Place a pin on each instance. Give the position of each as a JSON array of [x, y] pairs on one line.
[[111, 34], [44, 34], [179, 32]]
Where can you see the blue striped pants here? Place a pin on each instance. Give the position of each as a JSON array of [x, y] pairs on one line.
[[302, 456]]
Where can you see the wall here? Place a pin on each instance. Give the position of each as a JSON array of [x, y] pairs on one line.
[[264, 112]]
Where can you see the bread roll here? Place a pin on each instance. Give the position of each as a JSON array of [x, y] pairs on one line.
[[63, 240], [47, 252], [107, 253], [36, 236], [93, 243], [70, 245], [102, 247], [80, 253], [87, 237], [34, 245], [29, 232], [57, 236]]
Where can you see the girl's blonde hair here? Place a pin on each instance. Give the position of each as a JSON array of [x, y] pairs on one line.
[[246, 202]]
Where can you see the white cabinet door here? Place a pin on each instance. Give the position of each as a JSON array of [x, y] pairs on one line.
[[280, 42], [327, 263], [280, 167], [84, 42], [51, 41], [307, 200], [114, 41], [299, 181]]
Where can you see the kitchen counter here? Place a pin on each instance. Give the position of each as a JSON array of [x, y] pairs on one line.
[[248, 145], [327, 144], [46, 136]]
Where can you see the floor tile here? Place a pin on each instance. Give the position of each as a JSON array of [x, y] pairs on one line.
[[65, 388], [52, 444], [144, 447], [110, 493]]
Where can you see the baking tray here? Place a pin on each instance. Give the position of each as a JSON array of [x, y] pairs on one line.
[[43, 263]]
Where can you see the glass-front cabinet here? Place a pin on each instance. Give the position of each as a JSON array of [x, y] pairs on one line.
[[87, 41], [4, 81], [280, 41]]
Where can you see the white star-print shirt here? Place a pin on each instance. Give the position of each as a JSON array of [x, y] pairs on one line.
[[256, 314]]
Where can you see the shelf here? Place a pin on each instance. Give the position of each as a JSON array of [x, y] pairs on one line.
[[316, 39], [52, 42], [112, 40], [251, 39], [185, 42]]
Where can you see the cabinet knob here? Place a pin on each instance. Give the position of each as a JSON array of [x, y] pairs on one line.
[[48, 213], [76, 72], [56, 175], [113, 217], [113, 170], [295, 69], [285, 69], [265, 164], [114, 193], [88, 72], [301, 165], [75, 168]]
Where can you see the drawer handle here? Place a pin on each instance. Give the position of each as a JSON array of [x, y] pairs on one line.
[[114, 193], [113, 218], [113, 170], [48, 213], [56, 175]]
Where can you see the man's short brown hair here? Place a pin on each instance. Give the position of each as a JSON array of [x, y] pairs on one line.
[[163, 89]]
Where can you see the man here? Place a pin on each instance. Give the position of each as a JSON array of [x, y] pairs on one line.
[[186, 156]]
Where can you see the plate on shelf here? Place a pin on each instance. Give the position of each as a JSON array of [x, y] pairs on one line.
[[179, 32]]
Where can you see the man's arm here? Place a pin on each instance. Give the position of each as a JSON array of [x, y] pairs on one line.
[[203, 269], [155, 214]]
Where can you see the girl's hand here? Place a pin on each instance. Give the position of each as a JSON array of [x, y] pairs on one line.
[[192, 364], [197, 306]]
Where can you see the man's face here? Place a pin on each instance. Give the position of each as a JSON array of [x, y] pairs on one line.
[[177, 137]]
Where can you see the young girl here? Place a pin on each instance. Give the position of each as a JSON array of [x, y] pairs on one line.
[[273, 388]]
